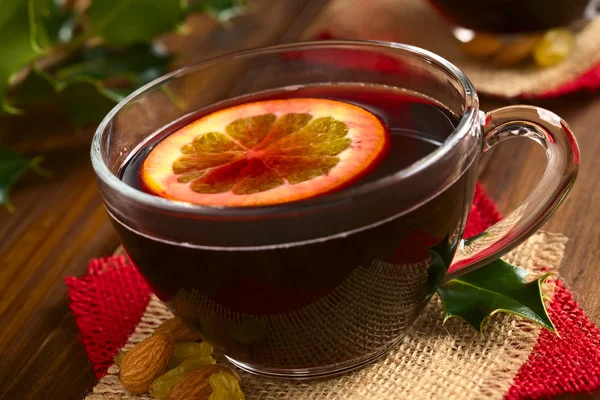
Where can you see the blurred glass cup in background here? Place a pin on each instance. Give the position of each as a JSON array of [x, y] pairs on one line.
[[508, 32]]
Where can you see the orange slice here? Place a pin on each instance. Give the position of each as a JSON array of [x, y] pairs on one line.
[[266, 152]]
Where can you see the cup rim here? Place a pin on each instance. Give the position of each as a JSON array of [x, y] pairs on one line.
[[468, 118]]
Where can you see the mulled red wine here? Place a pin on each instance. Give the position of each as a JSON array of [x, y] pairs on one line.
[[513, 16], [276, 305]]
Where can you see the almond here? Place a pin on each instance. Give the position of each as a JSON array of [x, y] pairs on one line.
[[146, 362], [482, 46], [178, 329], [516, 51], [196, 384]]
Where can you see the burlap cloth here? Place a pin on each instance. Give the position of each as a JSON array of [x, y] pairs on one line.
[[415, 22], [434, 361]]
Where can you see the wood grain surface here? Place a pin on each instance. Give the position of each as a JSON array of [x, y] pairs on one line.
[[59, 223]]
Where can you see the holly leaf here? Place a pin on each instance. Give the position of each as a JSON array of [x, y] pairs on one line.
[[123, 22], [221, 9], [37, 88], [83, 99], [51, 22], [134, 66], [91, 85], [496, 287], [87, 100], [12, 167], [16, 49], [441, 255]]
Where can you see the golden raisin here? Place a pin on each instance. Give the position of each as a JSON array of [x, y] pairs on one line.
[[185, 350], [162, 386], [554, 47], [225, 387]]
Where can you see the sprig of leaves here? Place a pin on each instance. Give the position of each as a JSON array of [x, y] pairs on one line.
[[84, 60], [496, 287], [81, 89]]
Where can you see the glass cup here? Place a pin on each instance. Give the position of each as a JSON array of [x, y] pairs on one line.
[[509, 33], [322, 286]]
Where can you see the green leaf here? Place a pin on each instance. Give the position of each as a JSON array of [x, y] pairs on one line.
[[496, 287], [16, 47], [137, 65], [86, 100], [122, 22], [83, 86], [37, 88], [51, 22], [12, 167], [441, 255], [221, 9]]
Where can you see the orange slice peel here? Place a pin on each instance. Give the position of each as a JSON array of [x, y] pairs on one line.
[[265, 153]]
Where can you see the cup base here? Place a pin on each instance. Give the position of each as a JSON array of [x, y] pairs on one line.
[[317, 372]]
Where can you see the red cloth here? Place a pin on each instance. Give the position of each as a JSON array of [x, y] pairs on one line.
[[109, 302], [107, 305], [588, 81], [561, 365]]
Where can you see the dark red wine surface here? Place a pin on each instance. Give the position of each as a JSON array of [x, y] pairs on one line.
[[417, 127]]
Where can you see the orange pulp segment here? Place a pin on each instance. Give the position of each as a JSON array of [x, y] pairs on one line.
[[266, 152]]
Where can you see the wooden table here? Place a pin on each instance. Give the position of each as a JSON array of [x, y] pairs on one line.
[[59, 223]]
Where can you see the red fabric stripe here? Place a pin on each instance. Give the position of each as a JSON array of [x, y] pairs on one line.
[[566, 365], [483, 213], [588, 81]]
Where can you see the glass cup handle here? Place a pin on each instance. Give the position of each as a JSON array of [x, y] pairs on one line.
[[562, 152]]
